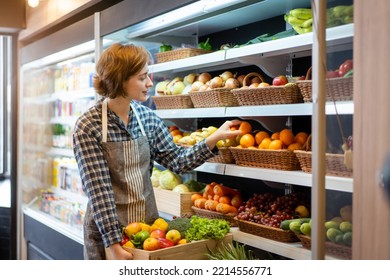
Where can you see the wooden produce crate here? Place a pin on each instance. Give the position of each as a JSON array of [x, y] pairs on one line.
[[173, 203], [195, 250]]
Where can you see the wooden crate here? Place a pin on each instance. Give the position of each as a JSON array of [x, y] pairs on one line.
[[195, 250], [173, 203]]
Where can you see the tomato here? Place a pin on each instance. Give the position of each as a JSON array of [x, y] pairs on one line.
[[345, 67], [165, 243]]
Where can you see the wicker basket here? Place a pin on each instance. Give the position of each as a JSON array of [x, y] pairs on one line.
[[215, 215], [267, 95], [273, 159], [224, 156], [164, 102], [334, 163], [179, 54], [331, 248], [340, 88], [219, 97], [276, 234]]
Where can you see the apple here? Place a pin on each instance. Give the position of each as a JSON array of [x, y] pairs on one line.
[[279, 81], [263, 84], [345, 67], [157, 233], [332, 74]]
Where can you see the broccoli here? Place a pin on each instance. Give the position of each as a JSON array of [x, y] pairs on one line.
[[180, 224]]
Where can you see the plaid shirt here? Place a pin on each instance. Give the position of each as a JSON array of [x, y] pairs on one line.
[[94, 172]]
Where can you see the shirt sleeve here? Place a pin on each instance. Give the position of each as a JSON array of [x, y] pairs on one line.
[[97, 185], [178, 159]]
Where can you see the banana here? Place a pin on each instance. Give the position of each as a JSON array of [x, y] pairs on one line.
[[301, 13], [293, 20], [307, 23], [301, 30]]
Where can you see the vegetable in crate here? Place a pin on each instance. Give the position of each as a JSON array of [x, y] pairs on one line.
[[205, 45], [180, 224], [204, 228], [165, 47]]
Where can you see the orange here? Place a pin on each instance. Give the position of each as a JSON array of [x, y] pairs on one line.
[[225, 199], [172, 127], [301, 137], [276, 145], [245, 127], [247, 140], [294, 146], [132, 228], [182, 241], [176, 132], [286, 136], [265, 143], [151, 244], [260, 136], [275, 136], [195, 196]]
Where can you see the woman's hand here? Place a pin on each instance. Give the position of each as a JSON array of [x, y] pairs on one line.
[[223, 132], [116, 252]]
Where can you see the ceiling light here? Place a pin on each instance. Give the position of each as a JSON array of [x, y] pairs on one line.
[[33, 3]]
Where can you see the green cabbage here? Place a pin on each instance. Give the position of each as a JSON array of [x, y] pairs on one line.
[[168, 180], [155, 178]]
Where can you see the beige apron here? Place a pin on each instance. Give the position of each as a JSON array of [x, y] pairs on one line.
[[129, 165]]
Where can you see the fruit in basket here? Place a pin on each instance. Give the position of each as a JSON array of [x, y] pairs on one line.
[[345, 226], [275, 145], [346, 213], [263, 84], [247, 140], [332, 74], [245, 127], [347, 238], [301, 137], [161, 87], [285, 224], [302, 211], [346, 66], [287, 137], [332, 224], [332, 233], [294, 146], [189, 79], [295, 226], [279, 80], [177, 88], [305, 228], [265, 143], [260, 136]]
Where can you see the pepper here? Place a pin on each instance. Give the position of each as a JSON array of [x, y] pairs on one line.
[[124, 239], [140, 237], [164, 48], [205, 45]]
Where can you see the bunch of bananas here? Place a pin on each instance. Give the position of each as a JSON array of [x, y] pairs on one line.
[[301, 20]]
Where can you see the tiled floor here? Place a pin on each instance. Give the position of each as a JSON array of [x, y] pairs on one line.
[[5, 193]]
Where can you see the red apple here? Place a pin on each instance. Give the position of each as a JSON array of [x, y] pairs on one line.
[[345, 67], [279, 81], [332, 74], [157, 233]]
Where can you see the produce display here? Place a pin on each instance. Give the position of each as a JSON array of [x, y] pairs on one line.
[[338, 229], [301, 19], [271, 210], [164, 234]]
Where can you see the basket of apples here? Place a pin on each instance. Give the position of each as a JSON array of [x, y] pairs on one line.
[[339, 83], [261, 93]]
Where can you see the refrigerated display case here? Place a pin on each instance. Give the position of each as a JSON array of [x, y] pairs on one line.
[[237, 26], [56, 89]]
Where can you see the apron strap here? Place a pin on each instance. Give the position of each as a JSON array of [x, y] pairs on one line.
[[138, 120], [104, 120]]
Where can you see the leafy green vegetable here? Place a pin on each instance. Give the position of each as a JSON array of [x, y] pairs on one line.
[[164, 48], [194, 185], [205, 45], [180, 224], [231, 252], [204, 228]]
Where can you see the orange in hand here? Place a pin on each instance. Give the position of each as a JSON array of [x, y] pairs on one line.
[[245, 127]]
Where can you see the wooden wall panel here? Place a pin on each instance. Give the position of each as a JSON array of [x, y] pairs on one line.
[[371, 129]]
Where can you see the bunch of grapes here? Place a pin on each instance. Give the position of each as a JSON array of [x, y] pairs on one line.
[[269, 209]]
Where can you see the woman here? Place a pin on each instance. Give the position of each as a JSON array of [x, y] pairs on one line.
[[115, 144]]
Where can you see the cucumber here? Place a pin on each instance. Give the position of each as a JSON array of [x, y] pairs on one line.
[[286, 223]]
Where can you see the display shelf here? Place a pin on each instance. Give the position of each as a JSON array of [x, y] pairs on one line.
[[270, 56], [209, 167], [292, 250], [301, 109], [32, 211]]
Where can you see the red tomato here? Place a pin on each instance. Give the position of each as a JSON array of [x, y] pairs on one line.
[[165, 243], [345, 67]]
